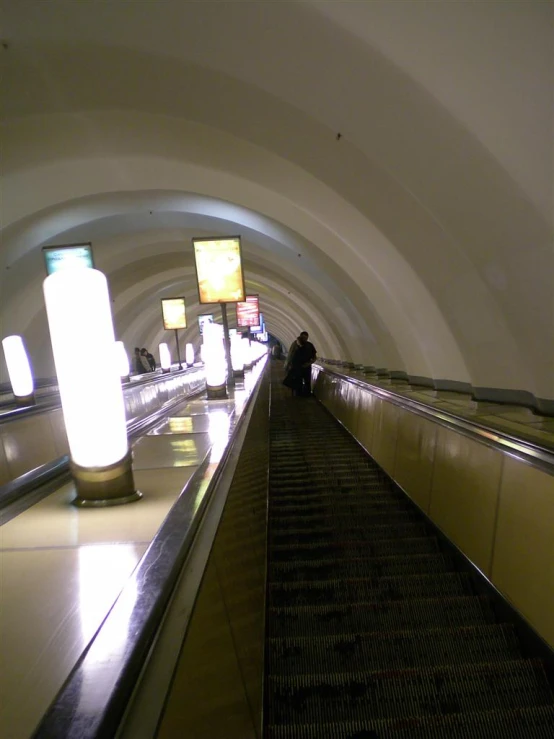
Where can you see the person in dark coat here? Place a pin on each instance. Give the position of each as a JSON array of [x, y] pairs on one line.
[[302, 354], [140, 365], [150, 359]]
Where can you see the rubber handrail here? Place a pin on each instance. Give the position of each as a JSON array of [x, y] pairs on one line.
[[530, 452]]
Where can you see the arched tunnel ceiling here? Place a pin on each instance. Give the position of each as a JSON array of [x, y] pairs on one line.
[[415, 226]]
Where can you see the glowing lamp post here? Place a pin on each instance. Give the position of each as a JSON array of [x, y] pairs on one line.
[[246, 353], [165, 358], [122, 361], [79, 317], [19, 370], [189, 355], [237, 355], [214, 361]]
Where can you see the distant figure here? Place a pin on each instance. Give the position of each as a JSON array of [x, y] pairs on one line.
[[276, 351], [142, 364], [140, 369], [150, 359], [301, 356]]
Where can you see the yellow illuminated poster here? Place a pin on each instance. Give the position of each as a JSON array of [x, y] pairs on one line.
[[219, 270], [173, 313]]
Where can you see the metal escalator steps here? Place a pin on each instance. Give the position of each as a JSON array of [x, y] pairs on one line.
[[308, 570], [370, 587], [376, 547], [519, 723], [324, 490], [342, 520], [352, 503], [368, 616], [392, 650], [409, 693], [359, 534], [371, 633]]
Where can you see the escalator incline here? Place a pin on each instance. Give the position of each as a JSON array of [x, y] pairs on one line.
[[371, 631]]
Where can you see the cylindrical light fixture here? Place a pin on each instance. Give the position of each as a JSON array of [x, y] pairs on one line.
[[189, 355], [237, 355], [165, 358], [214, 361], [246, 353], [80, 319], [122, 361], [19, 370]]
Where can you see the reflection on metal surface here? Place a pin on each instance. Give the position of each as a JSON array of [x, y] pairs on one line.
[[218, 431], [103, 570], [180, 425], [183, 445]]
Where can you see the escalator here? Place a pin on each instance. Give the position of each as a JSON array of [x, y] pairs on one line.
[[371, 632]]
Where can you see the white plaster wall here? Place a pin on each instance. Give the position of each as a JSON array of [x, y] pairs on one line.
[[431, 216]]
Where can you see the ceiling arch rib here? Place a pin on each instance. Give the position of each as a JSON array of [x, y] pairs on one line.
[[386, 297]]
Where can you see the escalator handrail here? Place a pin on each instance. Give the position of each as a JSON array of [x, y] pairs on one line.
[[534, 454], [32, 410], [93, 700]]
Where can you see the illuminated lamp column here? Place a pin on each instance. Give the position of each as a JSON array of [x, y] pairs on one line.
[[189, 355], [246, 353], [165, 358], [79, 318], [237, 355], [19, 370], [214, 361], [122, 361]]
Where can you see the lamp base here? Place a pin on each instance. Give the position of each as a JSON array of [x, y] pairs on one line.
[[98, 487], [216, 392], [166, 371], [238, 373], [23, 400]]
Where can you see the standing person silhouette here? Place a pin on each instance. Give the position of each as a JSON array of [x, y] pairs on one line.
[[302, 354]]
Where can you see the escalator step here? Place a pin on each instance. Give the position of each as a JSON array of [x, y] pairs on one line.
[[392, 650], [296, 504], [309, 570], [371, 587], [408, 693], [312, 491], [341, 521], [328, 534], [304, 621], [338, 549], [519, 723]]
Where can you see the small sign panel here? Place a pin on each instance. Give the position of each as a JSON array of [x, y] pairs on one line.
[[203, 319], [219, 270], [248, 312], [174, 313], [69, 256], [260, 328]]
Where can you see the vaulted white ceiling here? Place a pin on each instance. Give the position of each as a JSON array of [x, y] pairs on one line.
[[420, 239]]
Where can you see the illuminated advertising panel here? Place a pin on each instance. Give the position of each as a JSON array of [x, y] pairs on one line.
[[260, 328], [173, 313], [219, 270], [69, 256], [248, 312], [203, 319]]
